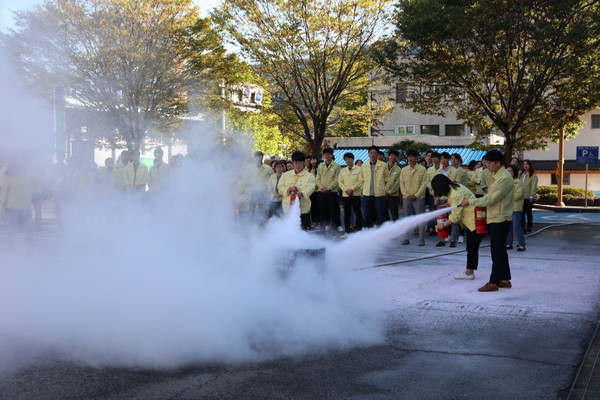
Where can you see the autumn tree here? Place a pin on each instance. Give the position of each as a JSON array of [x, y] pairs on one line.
[[314, 54], [525, 67], [125, 60]]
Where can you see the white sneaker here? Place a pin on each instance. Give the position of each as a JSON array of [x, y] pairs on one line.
[[464, 276], [340, 229], [461, 239]]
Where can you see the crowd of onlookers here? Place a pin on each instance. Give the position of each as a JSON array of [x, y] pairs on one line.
[[334, 197]]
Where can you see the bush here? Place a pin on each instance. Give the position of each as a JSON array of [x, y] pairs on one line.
[[549, 194]]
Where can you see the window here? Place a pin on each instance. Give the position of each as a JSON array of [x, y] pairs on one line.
[[455, 130], [405, 129], [404, 93], [596, 121], [430, 130], [566, 179]]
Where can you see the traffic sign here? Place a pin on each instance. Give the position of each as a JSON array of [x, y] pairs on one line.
[[587, 154]]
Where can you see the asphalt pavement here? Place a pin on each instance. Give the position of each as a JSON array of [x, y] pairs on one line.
[[443, 339]]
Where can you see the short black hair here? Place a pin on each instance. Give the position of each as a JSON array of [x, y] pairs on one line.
[[373, 148], [412, 152], [328, 150], [494, 156], [457, 156], [435, 154], [298, 156], [349, 155], [445, 154], [472, 164], [394, 151]]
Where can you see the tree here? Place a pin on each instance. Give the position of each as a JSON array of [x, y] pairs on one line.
[[124, 59], [313, 53], [526, 67], [404, 145]]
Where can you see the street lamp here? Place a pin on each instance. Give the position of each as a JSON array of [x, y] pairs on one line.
[[561, 162]]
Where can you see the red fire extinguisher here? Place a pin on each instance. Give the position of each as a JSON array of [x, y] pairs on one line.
[[480, 220], [443, 232], [293, 197]]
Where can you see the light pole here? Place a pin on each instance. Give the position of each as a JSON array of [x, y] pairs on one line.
[[561, 162]]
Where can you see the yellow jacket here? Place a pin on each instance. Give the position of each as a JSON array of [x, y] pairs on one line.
[[431, 172], [327, 176], [474, 181], [393, 184], [381, 176], [499, 197], [530, 184], [461, 176], [118, 176], [484, 179], [158, 175], [350, 179], [305, 181], [16, 191], [413, 181], [465, 216], [274, 188], [518, 195], [136, 178]]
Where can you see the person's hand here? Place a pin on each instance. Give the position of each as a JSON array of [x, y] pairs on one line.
[[465, 203], [436, 202], [411, 197], [292, 189], [300, 195], [324, 190], [349, 192]]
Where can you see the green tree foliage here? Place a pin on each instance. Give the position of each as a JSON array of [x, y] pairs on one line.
[[127, 60], [526, 67], [314, 54], [404, 145]]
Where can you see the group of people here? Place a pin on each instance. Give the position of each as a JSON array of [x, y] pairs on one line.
[[371, 193]]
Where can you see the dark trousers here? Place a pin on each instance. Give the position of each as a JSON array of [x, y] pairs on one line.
[[329, 207], [352, 203], [527, 214], [305, 221], [431, 205], [500, 269], [391, 208], [373, 210], [473, 242]]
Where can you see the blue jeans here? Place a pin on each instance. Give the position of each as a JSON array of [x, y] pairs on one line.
[[373, 209], [516, 226]]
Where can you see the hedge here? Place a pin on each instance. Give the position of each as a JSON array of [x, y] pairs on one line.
[[549, 194]]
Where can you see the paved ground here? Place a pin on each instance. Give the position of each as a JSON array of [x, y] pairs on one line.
[[443, 339]]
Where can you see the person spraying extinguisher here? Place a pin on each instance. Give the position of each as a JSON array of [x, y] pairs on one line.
[[465, 216]]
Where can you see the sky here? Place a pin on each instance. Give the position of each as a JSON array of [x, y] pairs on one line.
[[6, 18]]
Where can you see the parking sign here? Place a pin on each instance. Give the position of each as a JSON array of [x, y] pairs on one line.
[[587, 154]]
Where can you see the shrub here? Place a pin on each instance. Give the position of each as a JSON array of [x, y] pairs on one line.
[[549, 194]]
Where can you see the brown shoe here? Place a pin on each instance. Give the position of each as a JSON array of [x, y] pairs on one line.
[[488, 287], [505, 284]]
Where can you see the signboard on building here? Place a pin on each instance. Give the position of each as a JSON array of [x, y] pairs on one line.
[[587, 154]]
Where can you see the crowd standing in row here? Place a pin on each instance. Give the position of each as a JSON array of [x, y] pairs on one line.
[[369, 193]]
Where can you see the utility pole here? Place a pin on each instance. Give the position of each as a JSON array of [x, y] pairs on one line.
[[561, 162]]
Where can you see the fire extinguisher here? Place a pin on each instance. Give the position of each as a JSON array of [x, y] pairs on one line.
[[293, 197], [480, 220], [443, 232]]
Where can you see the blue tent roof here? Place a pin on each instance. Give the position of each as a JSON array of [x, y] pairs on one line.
[[361, 153]]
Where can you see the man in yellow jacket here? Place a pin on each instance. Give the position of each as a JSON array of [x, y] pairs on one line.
[[374, 175], [298, 183], [413, 181], [18, 185], [348, 181], [499, 203], [135, 174], [327, 189], [392, 187]]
